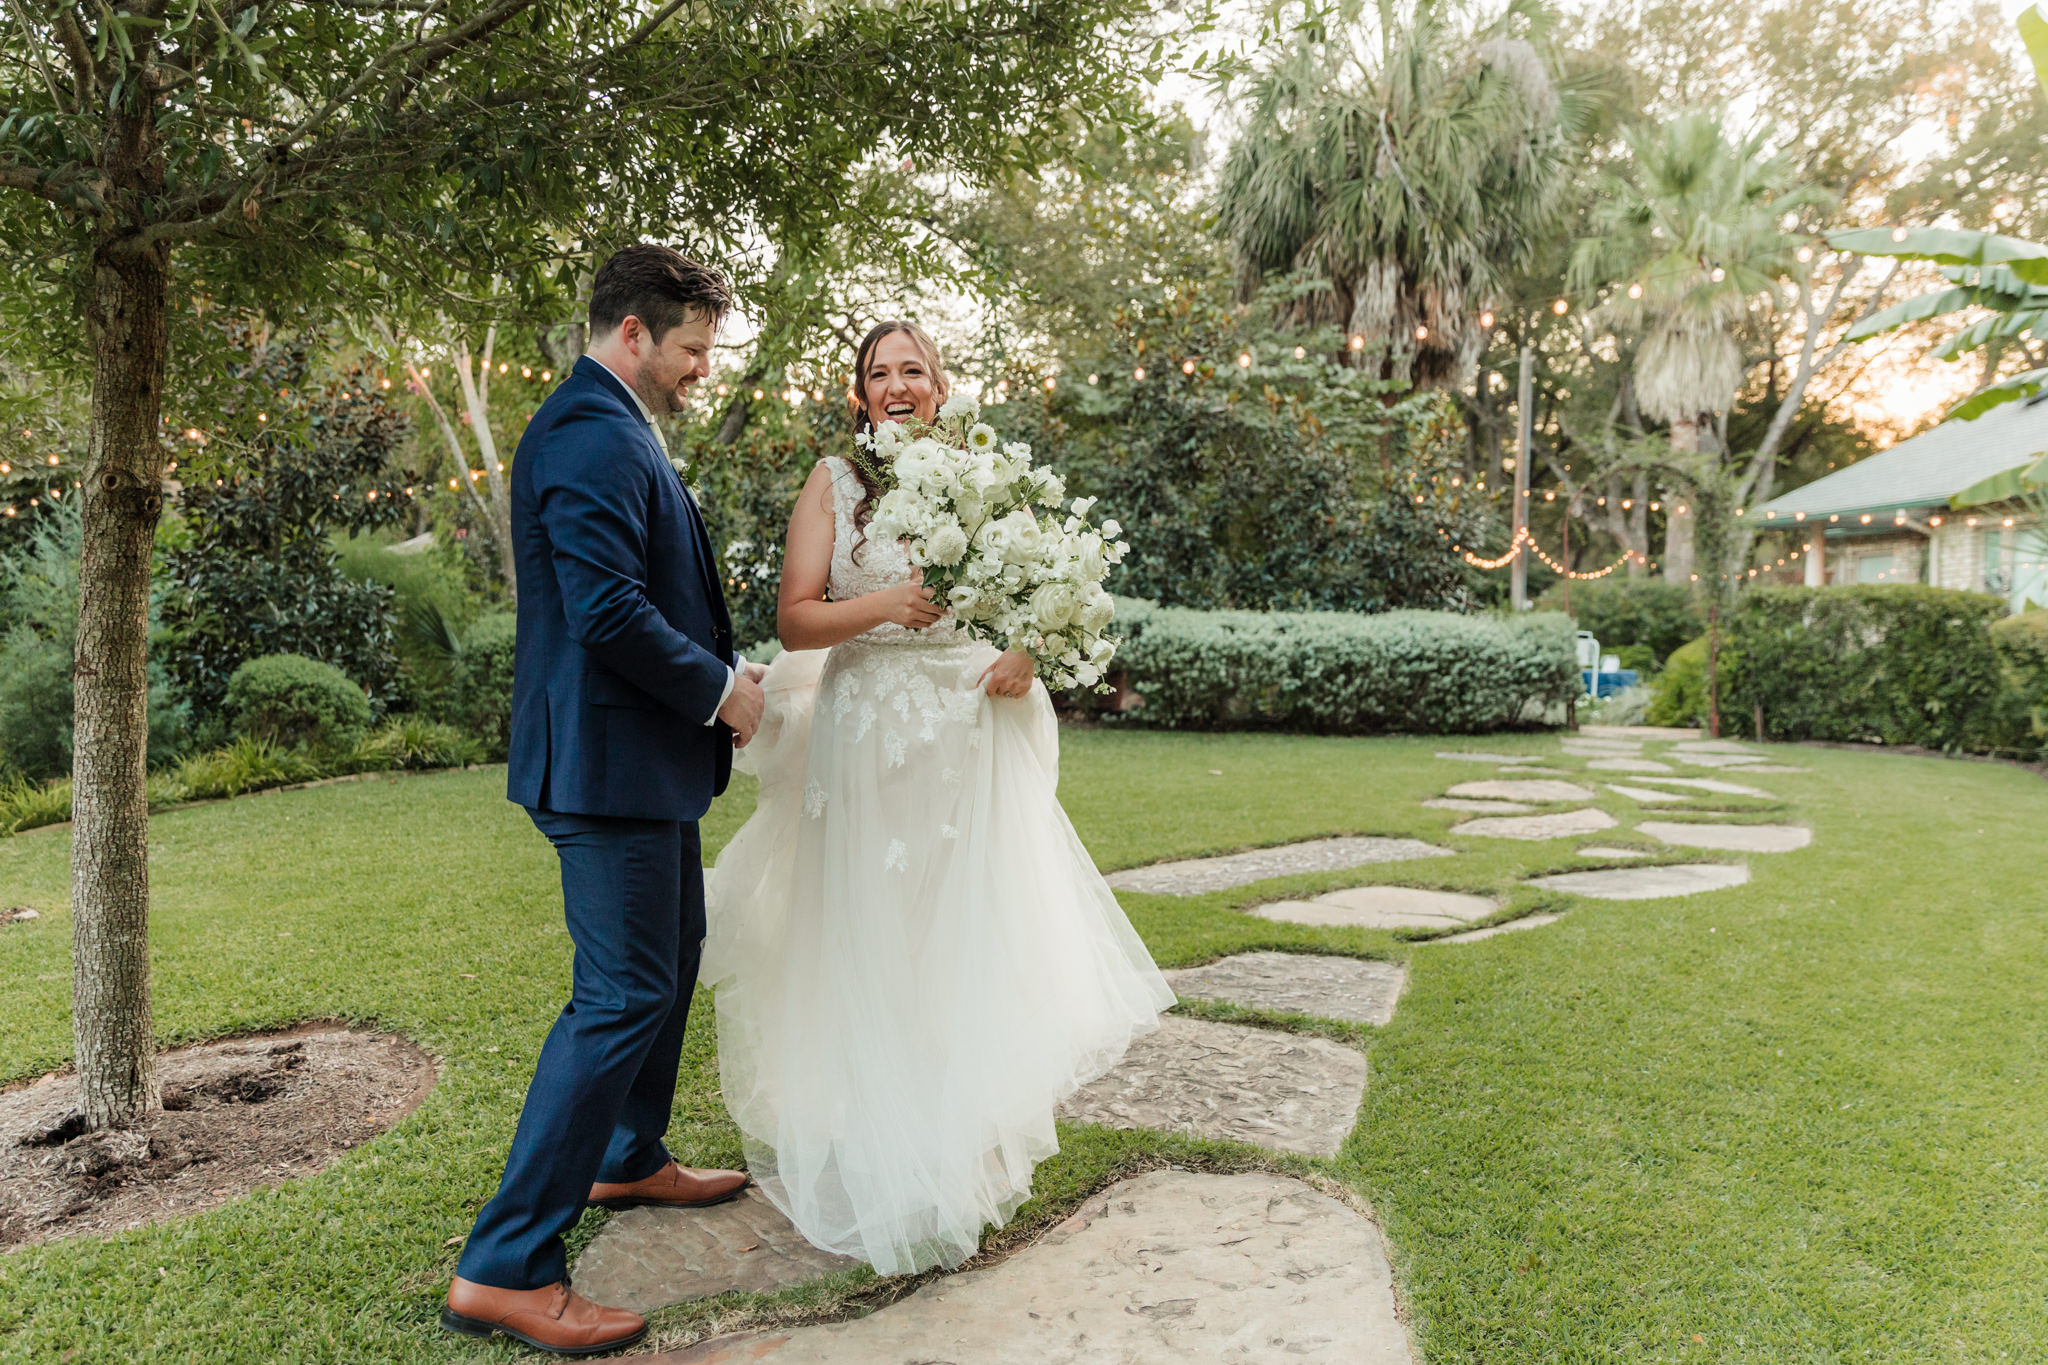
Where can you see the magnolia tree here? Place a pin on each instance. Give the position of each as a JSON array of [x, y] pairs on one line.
[[381, 157]]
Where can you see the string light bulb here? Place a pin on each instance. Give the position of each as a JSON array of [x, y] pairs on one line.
[[1421, 332], [1244, 360], [1187, 367], [1486, 318], [1301, 352], [1138, 374], [1560, 307], [1635, 290], [1357, 342]]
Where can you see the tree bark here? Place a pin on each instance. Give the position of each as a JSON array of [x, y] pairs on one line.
[[122, 498], [1685, 437]]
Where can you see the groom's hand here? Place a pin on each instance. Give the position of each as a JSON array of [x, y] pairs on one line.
[[742, 710]]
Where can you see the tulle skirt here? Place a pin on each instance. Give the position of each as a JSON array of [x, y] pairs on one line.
[[915, 959]]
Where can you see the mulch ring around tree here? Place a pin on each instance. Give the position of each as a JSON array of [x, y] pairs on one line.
[[239, 1113]]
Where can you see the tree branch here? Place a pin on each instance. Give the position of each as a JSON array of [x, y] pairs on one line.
[[85, 73], [35, 48]]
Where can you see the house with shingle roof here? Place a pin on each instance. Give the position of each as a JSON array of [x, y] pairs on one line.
[[1887, 518]]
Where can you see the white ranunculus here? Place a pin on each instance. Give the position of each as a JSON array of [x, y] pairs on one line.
[[1097, 608], [959, 405], [947, 546]]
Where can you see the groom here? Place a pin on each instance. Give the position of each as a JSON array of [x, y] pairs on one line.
[[627, 700]]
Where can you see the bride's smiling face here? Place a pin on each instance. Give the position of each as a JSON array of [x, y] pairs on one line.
[[900, 384]]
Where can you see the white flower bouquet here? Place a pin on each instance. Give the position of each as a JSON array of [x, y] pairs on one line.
[[998, 542]]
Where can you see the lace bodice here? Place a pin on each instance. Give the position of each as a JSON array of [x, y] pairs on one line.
[[872, 565]]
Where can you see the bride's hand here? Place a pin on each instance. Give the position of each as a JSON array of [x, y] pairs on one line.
[[1009, 676], [910, 604]]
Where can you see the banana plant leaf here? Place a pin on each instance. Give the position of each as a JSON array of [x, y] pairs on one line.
[[2017, 482], [2034, 33], [1949, 246], [1919, 309], [2006, 390], [1983, 329]]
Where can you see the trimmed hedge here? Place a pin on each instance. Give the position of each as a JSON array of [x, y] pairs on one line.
[[290, 700], [1422, 672], [2022, 645], [487, 650], [1894, 663]]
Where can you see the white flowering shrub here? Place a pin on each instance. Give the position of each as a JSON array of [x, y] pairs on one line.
[[999, 542], [1418, 672]]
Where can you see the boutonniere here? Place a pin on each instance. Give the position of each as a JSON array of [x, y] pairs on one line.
[[681, 467]]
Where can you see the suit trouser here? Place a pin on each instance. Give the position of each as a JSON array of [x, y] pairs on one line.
[[633, 892]]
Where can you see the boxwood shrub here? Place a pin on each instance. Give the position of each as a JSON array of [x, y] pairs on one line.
[[1427, 672], [1890, 663], [297, 702]]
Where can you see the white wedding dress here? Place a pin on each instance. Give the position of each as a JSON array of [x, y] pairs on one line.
[[914, 956]]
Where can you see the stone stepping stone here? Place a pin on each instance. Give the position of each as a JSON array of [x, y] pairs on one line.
[[1599, 746], [1630, 765], [1714, 746], [1540, 772], [1477, 807], [1599, 851], [1382, 907], [1646, 883], [1709, 784], [1173, 1265], [1744, 761], [1646, 794], [1197, 876], [1489, 758], [1561, 825], [1512, 926], [1346, 988], [1771, 768], [1287, 1091], [1637, 732], [1733, 838], [1514, 790], [645, 1259]]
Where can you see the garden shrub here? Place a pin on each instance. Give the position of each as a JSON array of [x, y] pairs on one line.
[[1678, 695], [415, 742], [1634, 611], [1890, 663], [249, 764], [296, 702], [2022, 645], [486, 682], [1342, 673]]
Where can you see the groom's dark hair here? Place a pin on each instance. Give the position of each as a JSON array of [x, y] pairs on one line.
[[658, 285]]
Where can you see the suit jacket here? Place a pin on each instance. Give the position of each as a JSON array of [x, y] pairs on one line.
[[624, 640]]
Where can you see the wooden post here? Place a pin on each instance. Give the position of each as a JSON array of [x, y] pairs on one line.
[[1518, 567]]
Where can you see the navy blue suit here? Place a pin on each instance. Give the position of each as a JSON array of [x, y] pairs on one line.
[[624, 651]]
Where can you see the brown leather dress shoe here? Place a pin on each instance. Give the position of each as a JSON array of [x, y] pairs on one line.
[[556, 1318], [672, 1187]]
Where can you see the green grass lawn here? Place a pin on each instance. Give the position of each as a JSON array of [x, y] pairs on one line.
[[1805, 1119]]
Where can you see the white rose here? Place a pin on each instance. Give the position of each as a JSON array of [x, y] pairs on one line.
[[1097, 608], [1053, 605], [947, 546]]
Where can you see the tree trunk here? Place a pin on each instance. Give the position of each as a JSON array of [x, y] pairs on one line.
[[1685, 438], [122, 497]]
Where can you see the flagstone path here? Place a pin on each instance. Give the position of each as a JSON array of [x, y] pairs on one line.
[[1733, 838], [1647, 794], [1512, 790], [1489, 758], [1630, 765], [1646, 883], [1477, 807], [1590, 820], [1475, 935], [645, 1259], [1287, 1091], [1170, 1266], [1197, 876], [1596, 851], [1349, 988], [1744, 762], [1708, 784], [1382, 907]]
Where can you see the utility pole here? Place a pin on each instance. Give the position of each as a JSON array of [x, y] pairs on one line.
[[1518, 568]]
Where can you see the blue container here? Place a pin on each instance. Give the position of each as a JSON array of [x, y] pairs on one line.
[[1606, 684]]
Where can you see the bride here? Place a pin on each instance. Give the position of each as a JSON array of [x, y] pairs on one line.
[[915, 958]]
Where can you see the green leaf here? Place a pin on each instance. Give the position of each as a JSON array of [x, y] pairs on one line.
[[1984, 329], [1913, 310], [2004, 487], [2004, 391], [1948, 246], [2034, 33]]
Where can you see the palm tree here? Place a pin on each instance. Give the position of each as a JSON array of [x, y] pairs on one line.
[[1401, 168], [1697, 227]]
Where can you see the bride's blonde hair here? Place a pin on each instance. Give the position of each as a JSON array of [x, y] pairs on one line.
[[857, 402]]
